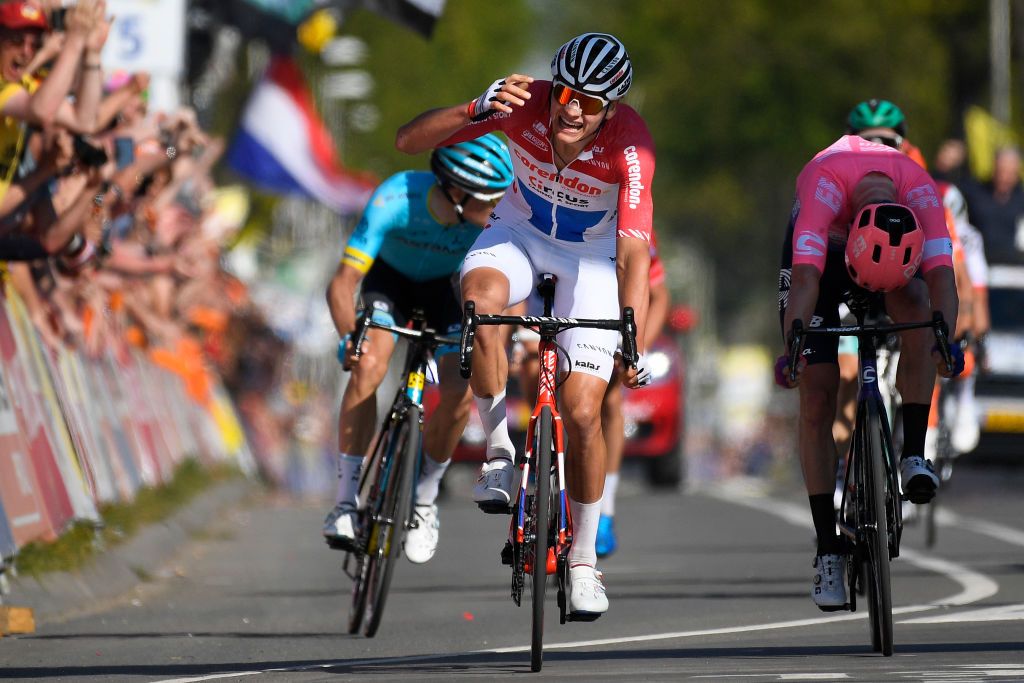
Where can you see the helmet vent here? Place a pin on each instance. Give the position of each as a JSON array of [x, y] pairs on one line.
[[876, 254], [906, 256]]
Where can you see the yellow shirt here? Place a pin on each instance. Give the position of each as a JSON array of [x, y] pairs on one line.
[[12, 131]]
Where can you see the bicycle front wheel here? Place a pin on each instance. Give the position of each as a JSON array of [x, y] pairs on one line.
[[388, 526], [541, 523], [876, 534], [370, 492]]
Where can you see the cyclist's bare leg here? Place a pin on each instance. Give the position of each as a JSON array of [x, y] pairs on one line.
[[819, 385], [818, 458], [614, 438], [915, 375], [442, 432], [358, 418], [580, 406], [488, 288], [357, 422], [846, 401]]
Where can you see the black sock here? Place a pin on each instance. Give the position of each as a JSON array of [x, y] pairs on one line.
[[823, 513], [915, 424]]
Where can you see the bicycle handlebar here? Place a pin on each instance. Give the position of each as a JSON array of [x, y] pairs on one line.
[[798, 333], [548, 326], [426, 336]]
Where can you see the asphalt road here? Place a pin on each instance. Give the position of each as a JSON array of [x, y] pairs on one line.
[[710, 585]]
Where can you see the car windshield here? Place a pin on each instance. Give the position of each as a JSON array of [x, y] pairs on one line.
[[1007, 308]]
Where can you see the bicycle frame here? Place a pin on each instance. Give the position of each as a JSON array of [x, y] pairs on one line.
[[389, 478], [869, 391], [546, 387]]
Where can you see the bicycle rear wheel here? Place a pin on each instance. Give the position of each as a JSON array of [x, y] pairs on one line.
[[876, 534], [388, 526], [541, 525]]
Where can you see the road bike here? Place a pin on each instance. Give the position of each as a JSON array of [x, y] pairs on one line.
[[386, 486], [870, 516], [540, 532]]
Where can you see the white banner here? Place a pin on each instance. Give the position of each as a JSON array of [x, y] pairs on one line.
[[147, 35]]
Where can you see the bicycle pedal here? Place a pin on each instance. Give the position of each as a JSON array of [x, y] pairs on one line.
[[583, 616], [344, 544], [494, 507], [506, 554], [835, 608]]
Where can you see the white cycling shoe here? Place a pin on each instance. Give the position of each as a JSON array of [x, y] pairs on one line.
[[587, 599], [421, 538], [493, 490], [918, 480], [340, 527], [828, 589]]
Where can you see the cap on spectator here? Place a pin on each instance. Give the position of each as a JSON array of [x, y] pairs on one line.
[[19, 15]]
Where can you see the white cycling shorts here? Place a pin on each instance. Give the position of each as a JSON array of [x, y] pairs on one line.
[[587, 287]]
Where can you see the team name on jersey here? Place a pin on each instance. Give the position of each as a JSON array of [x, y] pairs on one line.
[[633, 175], [569, 182]]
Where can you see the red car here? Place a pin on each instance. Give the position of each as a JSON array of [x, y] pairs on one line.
[[654, 415]]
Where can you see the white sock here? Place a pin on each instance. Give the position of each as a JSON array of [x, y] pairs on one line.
[[349, 469], [494, 419], [431, 472], [611, 483], [585, 517]]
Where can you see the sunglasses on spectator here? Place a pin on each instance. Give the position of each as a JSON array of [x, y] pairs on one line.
[[587, 103]]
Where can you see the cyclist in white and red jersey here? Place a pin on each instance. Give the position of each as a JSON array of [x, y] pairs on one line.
[[848, 196], [580, 208]]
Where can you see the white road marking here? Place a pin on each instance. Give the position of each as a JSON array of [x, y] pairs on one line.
[[975, 587], [1002, 613], [1000, 532]]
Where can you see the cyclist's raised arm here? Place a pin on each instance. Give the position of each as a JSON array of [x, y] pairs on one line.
[[434, 126]]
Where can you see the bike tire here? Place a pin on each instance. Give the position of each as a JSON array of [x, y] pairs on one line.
[[876, 532], [542, 508], [394, 516], [368, 488]]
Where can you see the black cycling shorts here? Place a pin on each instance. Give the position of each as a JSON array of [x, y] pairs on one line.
[[386, 290]]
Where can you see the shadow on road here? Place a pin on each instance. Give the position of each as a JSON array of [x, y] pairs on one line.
[[481, 663]]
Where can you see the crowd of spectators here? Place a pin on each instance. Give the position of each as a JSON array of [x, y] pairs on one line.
[[108, 223]]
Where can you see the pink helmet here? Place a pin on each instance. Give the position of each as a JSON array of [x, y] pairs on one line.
[[884, 248]]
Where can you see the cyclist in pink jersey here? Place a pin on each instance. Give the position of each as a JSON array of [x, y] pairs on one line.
[[852, 178], [580, 208]]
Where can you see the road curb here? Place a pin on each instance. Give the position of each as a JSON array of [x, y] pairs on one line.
[[57, 596]]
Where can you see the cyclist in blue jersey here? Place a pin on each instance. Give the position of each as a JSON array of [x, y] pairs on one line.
[[407, 251]]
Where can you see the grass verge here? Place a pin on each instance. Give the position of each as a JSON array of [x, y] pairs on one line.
[[120, 521]]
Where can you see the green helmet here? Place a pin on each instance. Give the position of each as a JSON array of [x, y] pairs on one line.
[[876, 114]]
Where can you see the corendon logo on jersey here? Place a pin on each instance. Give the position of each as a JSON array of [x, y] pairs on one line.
[[923, 197], [569, 182], [633, 175], [829, 194]]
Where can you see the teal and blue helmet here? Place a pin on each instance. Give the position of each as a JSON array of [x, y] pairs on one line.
[[877, 114], [481, 167]]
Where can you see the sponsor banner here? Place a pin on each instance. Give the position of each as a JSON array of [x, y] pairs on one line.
[[54, 430], [126, 476], [126, 410], [100, 451], [27, 514], [7, 546]]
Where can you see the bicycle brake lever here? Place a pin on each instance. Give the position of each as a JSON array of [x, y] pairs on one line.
[[469, 321]]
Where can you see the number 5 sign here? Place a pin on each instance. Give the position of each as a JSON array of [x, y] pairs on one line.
[[147, 35]]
